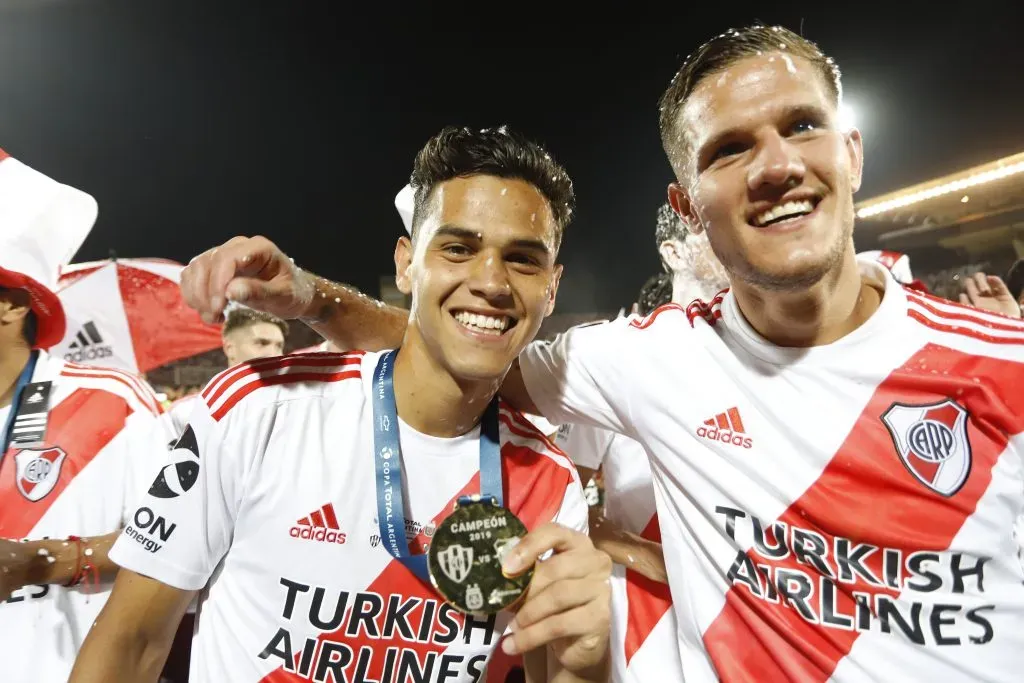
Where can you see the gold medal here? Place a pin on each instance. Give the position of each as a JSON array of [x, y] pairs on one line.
[[464, 558]]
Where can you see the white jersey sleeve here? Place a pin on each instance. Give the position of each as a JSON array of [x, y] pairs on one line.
[[180, 411], [143, 443], [574, 512], [586, 445], [581, 376], [185, 521]]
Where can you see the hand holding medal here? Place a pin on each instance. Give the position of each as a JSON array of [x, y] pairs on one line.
[[567, 606]]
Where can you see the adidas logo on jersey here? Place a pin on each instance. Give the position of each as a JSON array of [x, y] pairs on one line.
[[320, 525], [726, 427], [88, 345]]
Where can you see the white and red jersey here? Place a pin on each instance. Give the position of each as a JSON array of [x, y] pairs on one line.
[[177, 414], [643, 638], [835, 513], [271, 506], [101, 447]]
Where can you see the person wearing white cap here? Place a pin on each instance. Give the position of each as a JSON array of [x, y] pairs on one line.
[[75, 440]]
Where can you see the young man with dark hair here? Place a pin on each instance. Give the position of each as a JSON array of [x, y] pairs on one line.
[[342, 591], [838, 461]]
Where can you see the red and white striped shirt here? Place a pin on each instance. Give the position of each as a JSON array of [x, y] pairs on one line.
[[835, 513], [272, 507], [643, 638], [102, 444]]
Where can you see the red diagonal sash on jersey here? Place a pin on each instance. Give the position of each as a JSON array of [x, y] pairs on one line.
[[647, 601], [867, 495], [81, 425], [534, 488]]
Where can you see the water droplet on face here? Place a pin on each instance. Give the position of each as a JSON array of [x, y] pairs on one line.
[[504, 190], [42, 552], [51, 560], [88, 552], [533, 218]]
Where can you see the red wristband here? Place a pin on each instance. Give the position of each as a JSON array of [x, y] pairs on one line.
[[83, 564]]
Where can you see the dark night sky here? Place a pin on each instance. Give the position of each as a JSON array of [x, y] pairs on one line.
[[191, 122]]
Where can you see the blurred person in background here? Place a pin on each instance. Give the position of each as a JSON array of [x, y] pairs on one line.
[[248, 335], [79, 443], [687, 257]]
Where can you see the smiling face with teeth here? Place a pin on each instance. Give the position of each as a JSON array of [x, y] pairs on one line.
[[769, 174], [482, 273]]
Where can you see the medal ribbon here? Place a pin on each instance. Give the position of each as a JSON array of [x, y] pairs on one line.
[[23, 379], [388, 457]]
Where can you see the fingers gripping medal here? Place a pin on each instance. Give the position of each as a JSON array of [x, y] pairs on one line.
[[466, 553]]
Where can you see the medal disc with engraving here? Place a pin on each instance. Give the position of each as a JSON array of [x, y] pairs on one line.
[[464, 558]]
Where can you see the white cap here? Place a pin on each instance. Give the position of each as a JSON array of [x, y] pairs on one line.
[[42, 224], [404, 201]]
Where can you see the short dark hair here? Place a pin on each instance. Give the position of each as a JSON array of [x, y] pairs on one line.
[[1015, 279], [720, 53], [464, 152], [241, 317], [656, 292]]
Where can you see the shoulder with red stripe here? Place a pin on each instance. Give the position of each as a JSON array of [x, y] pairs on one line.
[[538, 476], [129, 386], [519, 431], [708, 311], [312, 370], [966, 322]]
